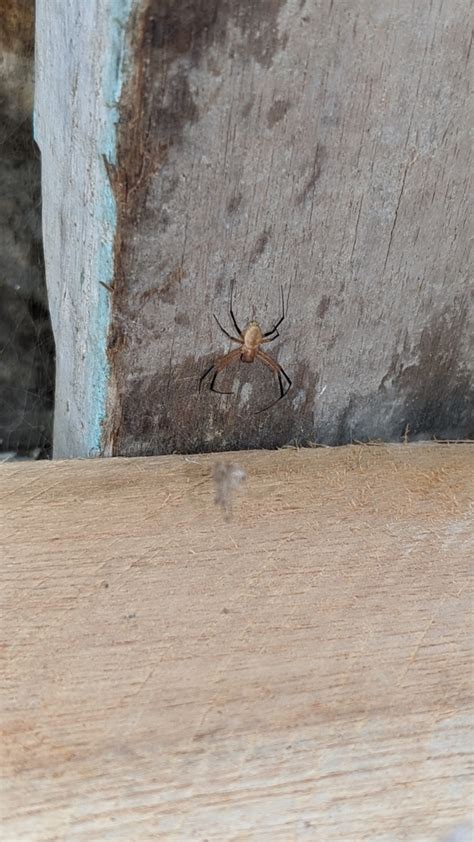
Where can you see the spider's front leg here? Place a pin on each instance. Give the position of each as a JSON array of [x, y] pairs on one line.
[[268, 337], [232, 308], [229, 335]]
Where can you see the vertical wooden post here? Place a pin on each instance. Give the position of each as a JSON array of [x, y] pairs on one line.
[[320, 146], [80, 55]]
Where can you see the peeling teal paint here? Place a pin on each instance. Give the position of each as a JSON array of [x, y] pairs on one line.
[[114, 74], [82, 60]]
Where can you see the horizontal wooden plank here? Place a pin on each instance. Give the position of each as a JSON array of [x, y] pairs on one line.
[[300, 671]]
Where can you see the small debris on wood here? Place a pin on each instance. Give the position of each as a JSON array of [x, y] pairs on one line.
[[109, 287], [227, 477]]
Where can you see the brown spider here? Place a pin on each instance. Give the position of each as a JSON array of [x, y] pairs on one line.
[[250, 340]]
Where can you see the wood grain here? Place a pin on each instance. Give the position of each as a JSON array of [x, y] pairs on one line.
[[300, 673], [317, 145], [79, 52]]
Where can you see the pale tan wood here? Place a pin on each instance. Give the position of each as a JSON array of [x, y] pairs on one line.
[[301, 672]]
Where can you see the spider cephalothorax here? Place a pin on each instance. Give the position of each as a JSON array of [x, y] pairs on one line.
[[250, 341]]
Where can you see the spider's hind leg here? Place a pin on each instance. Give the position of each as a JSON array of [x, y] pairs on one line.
[[217, 367], [203, 376], [280, 372], [217, 391], [211, 386]]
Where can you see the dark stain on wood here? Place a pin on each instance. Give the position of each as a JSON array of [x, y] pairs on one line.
[[163, 219], [234, 203], [246, 109], [311, 174], [212, 423], [258, 23], [438, 390], [277, 112], [323, 306], [169, 38], [166, 292], [433, 396], [260, 245], [182, 319]]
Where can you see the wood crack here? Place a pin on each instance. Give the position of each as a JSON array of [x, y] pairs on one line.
[[396, 216]]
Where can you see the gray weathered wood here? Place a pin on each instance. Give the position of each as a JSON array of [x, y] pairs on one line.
[[78, 51], [319, 145]]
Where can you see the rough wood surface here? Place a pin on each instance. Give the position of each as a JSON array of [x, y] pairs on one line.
[[302, 672], [78, 52], [319, 144]]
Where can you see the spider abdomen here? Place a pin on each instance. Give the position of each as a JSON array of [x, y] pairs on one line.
[[252, 336]]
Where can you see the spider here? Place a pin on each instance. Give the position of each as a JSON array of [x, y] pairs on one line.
[[250, 341]]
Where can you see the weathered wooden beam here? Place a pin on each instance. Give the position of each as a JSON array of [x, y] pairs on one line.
[[300, 672], [80, 51], [320, 146]]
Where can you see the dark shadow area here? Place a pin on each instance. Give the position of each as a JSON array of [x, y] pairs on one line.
[[26, 339]]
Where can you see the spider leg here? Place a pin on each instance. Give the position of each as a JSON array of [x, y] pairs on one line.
[[217, 391], [276, 367], [278, 323], [203, 376], [268, 337], [234, 338], [231, 307], [217, 367]]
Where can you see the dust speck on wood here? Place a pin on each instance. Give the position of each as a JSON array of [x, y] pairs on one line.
[[227, 478]]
